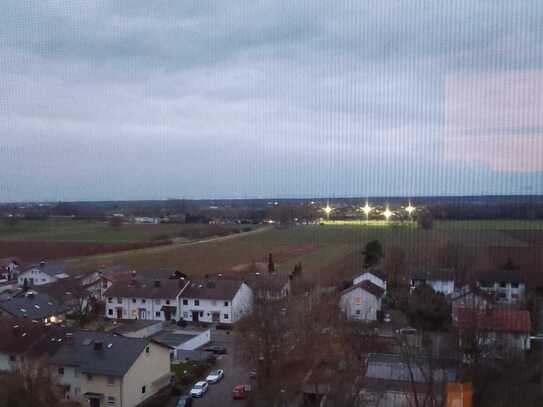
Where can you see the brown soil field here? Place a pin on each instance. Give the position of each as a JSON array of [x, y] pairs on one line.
[[30, 251]]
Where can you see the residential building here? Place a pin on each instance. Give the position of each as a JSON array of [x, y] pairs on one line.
[[23, 341], [441, 280], [34, 306], [269, 286], [145, 299], [216, 300], [496, 332], [374, 275], [68, 293], [43, 273], [506, 285], [470, 297], [103, 369], [362, 301], [9, 268]]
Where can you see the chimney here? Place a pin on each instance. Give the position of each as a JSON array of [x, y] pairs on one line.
[[98, 345], [42, 263], [157, 283]]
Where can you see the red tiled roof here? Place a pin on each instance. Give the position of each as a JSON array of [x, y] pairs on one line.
[[367, 286], [500, 319]]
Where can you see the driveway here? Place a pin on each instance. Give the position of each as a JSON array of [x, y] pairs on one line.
[[220, 394]]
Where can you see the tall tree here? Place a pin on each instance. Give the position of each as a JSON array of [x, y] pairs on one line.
[[373, 252]]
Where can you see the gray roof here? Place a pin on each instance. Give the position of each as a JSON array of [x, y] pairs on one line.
[[36, 306], [393, 367], [51, 268], [132, 325], [117, 355], [172, 339], [212, 289]]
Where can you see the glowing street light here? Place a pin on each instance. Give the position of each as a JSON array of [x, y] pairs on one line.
[[327, 210], [367, 209], [410, 209], [387, 213]]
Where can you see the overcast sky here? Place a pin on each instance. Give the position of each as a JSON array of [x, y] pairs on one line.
[[138, 99]]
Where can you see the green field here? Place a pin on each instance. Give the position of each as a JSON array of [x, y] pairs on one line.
[[102, 232], [317, 247], [500, 225]]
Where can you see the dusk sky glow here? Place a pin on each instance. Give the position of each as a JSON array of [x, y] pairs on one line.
[[204, 99]]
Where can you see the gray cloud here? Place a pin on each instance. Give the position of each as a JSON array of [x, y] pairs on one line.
[[104, 100]]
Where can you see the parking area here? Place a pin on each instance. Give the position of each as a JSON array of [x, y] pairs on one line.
[[220, 394]]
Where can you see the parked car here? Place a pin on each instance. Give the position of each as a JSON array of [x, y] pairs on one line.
[[215, 376], [216, 349], [184, 401], [199, 389], [240, 391]]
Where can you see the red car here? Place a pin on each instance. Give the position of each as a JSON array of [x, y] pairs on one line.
[[240, 391]]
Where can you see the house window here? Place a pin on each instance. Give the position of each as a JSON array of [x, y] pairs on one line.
[[119, 300], [225, 316], [185, 302], [143, 390], [111, 401], [60, 371], [157, 314], [157, 302], [11, 358], [167, 302], [143, 300], [514, 285], [201, 313], [110, 311], [147, 350], [110, 381], [196, 302], [89, 377], [226, 303], [133, 300], [110, 300], [357, 312], [503, 284]]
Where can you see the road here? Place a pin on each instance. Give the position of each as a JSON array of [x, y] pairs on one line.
[[220, 394]]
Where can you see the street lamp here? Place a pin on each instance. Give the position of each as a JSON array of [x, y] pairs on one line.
[[410, 209], [328, 210], [367, 209]]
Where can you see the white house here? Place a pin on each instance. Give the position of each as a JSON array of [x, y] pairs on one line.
[[507, 286], [9, 268], [140, 299], [43, 273], [269, 286], [441, 280], [375, 276], [470, 297], [362, 301], [499, 330], [216, 300]]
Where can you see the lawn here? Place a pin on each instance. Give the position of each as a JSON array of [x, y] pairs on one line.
[[102, 232]]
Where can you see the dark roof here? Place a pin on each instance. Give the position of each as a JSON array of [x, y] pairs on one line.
[[32, 305], [471, 289], [65, 291], [433, 274], [267, 281], [213, 289], [138, 288], [51, 268], [510, 276], [368, 286], [21, 336], [498, 319], [378, 272], [6, 261], [116, 356]]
